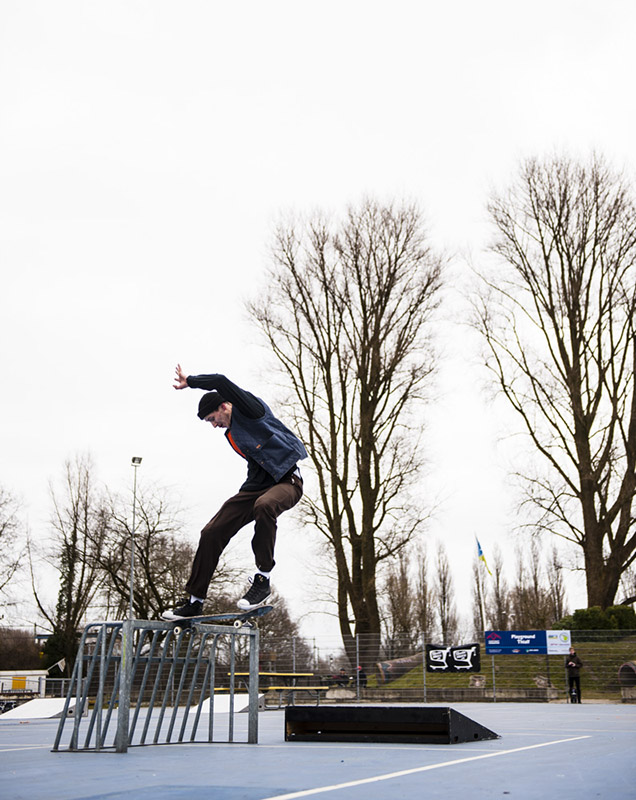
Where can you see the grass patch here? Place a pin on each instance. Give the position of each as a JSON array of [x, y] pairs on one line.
[[599, 676]]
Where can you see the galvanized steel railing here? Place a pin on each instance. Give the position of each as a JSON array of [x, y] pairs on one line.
[[141, 682]]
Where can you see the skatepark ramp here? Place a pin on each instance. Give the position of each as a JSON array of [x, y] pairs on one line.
[[42, 708], [141, 682], [415, 724]]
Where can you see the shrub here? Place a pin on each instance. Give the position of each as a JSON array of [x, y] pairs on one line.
[[595, 618]]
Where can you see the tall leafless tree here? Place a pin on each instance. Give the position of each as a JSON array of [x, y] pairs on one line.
[[11, 548], [445, 598], [534, 599], [162, 557], [79, 521], [90, 549], [282, 648], [559, 325], [531, 604], [400, 620], [347, 316], [18, 650], [497, 595], [556, 585], [424, 600]]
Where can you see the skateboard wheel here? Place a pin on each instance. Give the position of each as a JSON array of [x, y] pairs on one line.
[[238, 623], [177, 630]]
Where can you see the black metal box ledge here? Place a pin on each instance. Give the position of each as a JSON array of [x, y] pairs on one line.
[[415, 724]]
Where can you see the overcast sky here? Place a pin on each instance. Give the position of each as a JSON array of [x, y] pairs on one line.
[[146, 151]]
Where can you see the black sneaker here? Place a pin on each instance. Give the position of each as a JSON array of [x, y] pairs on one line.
[[185, 610], [257, 594]]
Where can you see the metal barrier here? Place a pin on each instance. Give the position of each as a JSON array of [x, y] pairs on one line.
[[141, 682]]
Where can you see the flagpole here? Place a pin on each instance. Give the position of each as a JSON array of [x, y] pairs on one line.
[[482, 613], [481, 558]]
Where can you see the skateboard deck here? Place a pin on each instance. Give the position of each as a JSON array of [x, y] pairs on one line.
[[237, 618]]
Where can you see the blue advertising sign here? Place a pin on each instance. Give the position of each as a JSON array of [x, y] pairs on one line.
[[513, 642], [502, 642]]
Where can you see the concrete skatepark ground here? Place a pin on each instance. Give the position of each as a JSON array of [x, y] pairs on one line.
[[545, 751]]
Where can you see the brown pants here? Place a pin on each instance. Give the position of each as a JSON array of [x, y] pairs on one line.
[[263, 508]]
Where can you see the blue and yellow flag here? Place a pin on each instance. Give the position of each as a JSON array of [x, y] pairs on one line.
[[481, 556]]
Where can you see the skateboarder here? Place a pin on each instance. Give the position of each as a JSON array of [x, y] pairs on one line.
[[273, 485]]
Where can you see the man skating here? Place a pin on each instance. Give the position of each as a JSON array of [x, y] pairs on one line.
[[273, 485]]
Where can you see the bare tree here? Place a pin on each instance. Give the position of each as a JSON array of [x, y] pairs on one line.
[[536, 598], [347, 317], [400, 610], [531, 603], [79, 521], [423, 601], [408, 603], [445, 598], [559, 326], [556, 585], [497, 596], [18, 650], [11, 549], [281, 647], [163, 557]]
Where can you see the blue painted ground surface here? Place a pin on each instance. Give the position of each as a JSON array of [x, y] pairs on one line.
[[545, 751]]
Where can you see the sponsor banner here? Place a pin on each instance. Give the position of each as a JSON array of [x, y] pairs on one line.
[[464, 658], [513, 642], [520, 642], [559, 642]]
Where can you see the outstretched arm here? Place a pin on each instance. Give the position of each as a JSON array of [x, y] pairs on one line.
[[245, 401], [181, 381]]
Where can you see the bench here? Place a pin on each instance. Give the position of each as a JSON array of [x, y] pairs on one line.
[[237, 690], [291, 690]]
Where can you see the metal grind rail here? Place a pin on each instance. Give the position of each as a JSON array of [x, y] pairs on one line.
[[140, 682]]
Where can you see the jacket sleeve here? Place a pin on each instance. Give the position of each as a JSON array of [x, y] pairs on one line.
[[246, 402]]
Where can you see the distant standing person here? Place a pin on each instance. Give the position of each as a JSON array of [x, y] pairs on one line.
[[573, 666], [273, 485]]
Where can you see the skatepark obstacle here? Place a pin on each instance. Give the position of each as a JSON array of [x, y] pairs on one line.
[[151, 682], [415, 724]]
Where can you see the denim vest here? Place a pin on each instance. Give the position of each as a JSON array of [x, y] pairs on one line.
[[265, 440]]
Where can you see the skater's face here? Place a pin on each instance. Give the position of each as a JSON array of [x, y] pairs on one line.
[[222, 417]]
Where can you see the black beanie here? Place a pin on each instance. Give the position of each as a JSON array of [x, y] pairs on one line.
[[209, 403]]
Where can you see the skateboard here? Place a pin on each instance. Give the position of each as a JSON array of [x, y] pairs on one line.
[[239, 619]]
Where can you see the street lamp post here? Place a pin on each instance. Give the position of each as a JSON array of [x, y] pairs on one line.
[[136, 461]]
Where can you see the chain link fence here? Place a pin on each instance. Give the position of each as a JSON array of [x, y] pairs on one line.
[[501, 678], [322, 663]]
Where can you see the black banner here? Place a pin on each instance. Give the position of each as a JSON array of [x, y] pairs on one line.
[[464, 658]]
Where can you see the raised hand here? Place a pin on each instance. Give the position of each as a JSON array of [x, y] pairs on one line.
[[181, 381]]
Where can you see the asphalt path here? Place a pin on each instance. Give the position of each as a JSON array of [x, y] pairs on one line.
[[545, 751]]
